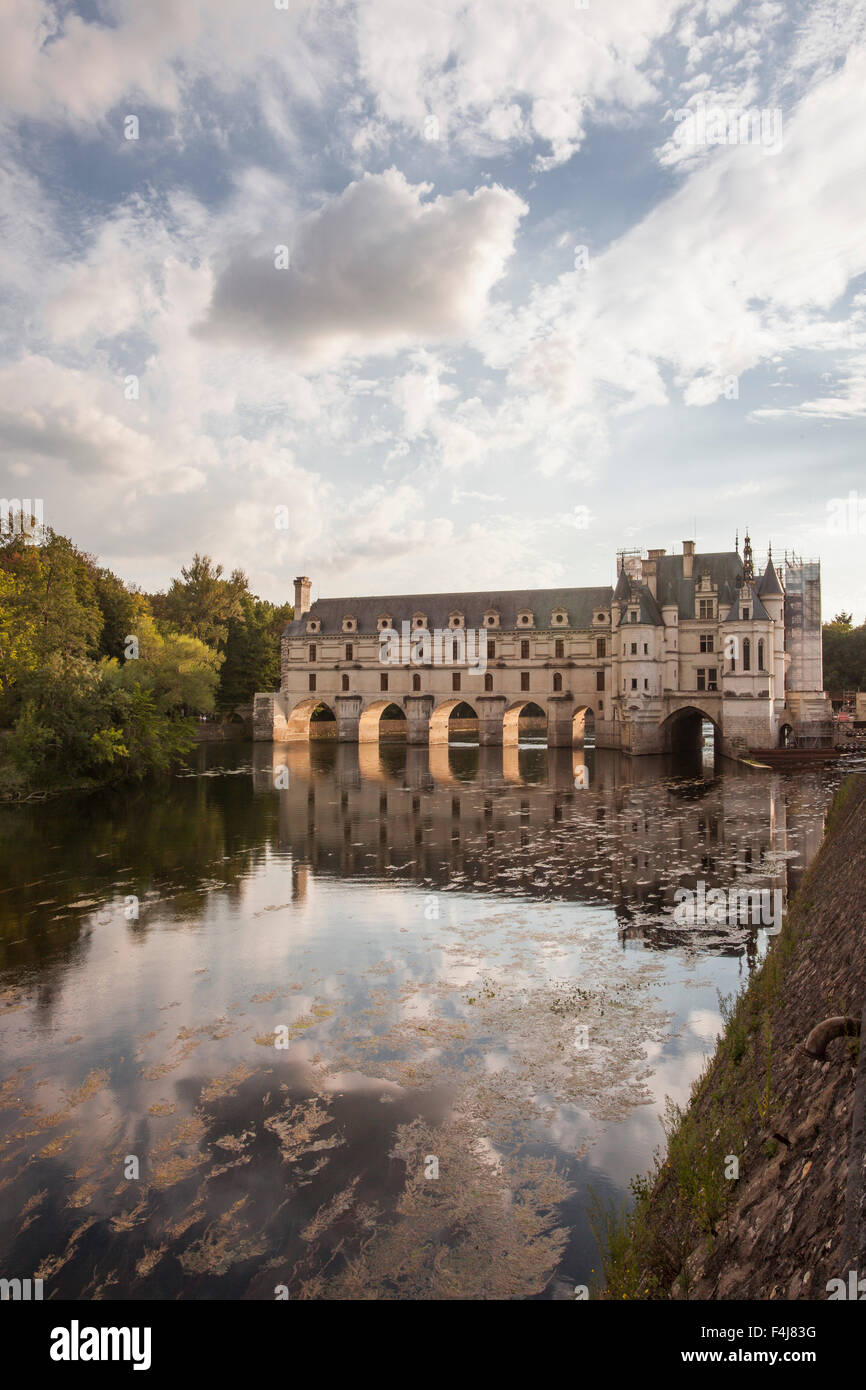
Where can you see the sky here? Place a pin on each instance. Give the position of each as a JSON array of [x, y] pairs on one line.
[[428, 297]]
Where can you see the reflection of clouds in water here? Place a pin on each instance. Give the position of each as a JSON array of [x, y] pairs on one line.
[[417, 1007], [495, 1061], [572, 1129], [705, 1023], [484, 1228], [675, 1076], [292, 933]]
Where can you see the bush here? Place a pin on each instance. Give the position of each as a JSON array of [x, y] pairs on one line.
[[79, 724]]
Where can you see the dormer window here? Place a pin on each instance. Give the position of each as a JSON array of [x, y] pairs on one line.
[[313, 625], [633, 615], [350, 624], [455, 620], [384, 621], [491, 618], [559, 617], [524, 618], [601, 617], [419, 620]]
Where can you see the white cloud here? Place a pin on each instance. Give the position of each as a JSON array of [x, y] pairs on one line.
[[493, 78], [377, 268], [68, 69], [745, 261], [485, 381]]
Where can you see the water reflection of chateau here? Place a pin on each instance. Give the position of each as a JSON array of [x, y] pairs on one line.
[[490, 818]]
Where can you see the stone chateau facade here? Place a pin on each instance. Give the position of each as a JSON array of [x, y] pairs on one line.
[[678, 640]]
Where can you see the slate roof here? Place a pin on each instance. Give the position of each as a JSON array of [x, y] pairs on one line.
[[758, 610], [579, 604], [725, 569], [649, 609], [768, 584]]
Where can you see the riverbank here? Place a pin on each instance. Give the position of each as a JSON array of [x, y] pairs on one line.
[[750, 1200]]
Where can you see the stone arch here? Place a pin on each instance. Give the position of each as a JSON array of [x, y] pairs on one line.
[[301, 724], [582, 723], [512, 716], [368, 724], [439, 719], [681, 729], [786, 734]]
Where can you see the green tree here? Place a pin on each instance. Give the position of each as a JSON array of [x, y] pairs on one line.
[[178, 671], [50, 609], [119, 606], [844, 654], [252, 651], [80, 724], [202, 603]]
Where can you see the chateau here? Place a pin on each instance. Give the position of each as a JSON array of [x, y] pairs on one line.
[[680, 639]]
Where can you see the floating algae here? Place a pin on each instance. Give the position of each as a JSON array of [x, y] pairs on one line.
[[479, 1229]]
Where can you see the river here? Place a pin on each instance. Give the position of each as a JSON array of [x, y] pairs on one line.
[[327, 1021]]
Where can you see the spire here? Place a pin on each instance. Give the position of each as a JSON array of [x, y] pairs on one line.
[[768, 584], [623, 588], [748, 566]]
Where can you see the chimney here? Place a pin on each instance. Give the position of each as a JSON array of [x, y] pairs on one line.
[[649, 574], [303, 585], [688, 558]]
